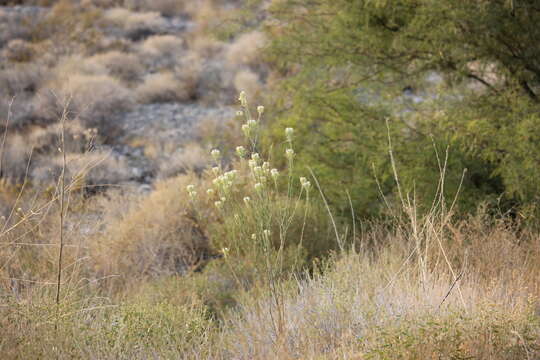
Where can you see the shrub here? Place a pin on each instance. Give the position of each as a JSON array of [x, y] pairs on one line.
[[162, 50], [247, 80], [135, 25], [246, 49], [190, 158], [95, 99], [124, 66], [18, 51], [160, 236], [162, 87], [165, 7]]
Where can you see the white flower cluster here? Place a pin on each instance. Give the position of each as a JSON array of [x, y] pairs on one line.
[[191, 191]]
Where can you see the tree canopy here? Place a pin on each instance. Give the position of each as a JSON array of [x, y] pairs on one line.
[[443, 74]]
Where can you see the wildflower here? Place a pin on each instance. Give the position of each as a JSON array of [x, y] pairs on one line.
[[289, 154], [218, 204], [246, 130], [216, 154], [252, 164], [241, 151], [253, 236], [289, 133], [305, 183], [252, 124], [215, 170], [258, 187], [225, 252], [210, 192], [260, 109], [266, 165], [247, 199], [242, 98], [190, 188], [257, 170], [274, 173], [230, 175], [255, 157], [193, 194]]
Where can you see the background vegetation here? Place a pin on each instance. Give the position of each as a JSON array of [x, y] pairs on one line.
[[383, 204]]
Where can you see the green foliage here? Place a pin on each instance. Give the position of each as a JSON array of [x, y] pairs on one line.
[[462, 76]]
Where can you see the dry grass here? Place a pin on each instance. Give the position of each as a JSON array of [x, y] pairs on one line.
[[123, 66], [246, 49], [190, 158], [93, 98], [159, 236], [162, 87], [248, 81], [135, 24]]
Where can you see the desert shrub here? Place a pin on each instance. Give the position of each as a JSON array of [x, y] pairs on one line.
[[246, 49], [21, 79], [15, 159], [90, 171], [190, 158], [165, 7], [18, 51], [95, 99], [161, 87], [160, 236], [247, 80], [135, 25], [161, 51], [124, 66]]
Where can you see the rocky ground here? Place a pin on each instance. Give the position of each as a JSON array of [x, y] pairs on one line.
[[166, 125]]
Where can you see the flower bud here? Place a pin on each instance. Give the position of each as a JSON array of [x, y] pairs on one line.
[[216, 154], [289, 154], [241, 151], [289, 133], [242, 98]]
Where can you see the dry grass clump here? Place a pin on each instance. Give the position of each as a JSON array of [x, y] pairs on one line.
[[20, 79], [18, 50], [162, 87], [90, 171], [247, 80], [246, 49], [124, 66], [159, 236], [377, 305], [95, 99], [162, 51], [190, 158], [136, 25], [165, 7]]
